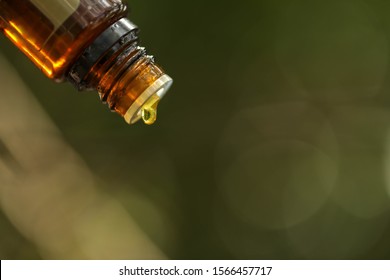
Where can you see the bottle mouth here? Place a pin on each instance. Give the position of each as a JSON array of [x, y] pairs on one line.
[[153, 94]]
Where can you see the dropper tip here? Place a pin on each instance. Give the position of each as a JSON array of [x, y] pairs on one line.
[[145, 106]]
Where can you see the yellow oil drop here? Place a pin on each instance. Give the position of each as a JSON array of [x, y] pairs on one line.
[[149, 110]]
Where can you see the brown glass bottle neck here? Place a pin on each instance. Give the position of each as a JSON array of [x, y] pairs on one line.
[[120, 70], [103, 50]]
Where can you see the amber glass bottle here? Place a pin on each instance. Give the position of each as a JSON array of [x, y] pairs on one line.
[[91, 44]]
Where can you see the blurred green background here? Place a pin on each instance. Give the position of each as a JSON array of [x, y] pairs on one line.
[[273, 143]]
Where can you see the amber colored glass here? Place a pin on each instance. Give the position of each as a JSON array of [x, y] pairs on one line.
[[30, 31], [121, 92], [54, 49]]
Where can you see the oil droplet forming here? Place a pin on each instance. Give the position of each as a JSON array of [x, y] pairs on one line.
[[149, 110]]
